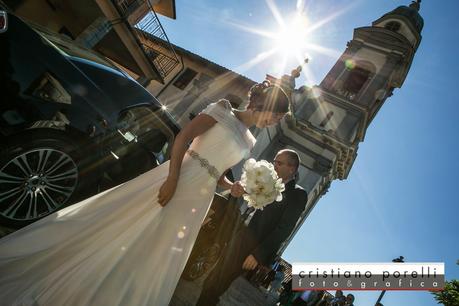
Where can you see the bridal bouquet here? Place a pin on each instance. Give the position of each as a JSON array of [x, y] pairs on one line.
[[261, 183]]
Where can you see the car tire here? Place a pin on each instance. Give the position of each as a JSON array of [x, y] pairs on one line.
[[40, 172]]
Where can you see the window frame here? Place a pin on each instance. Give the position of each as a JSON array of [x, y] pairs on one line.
[[185, 78]]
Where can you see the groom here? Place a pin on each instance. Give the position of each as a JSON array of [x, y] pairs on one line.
[[257, 244]]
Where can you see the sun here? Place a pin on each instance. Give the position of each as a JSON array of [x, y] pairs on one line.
[[293, 38]]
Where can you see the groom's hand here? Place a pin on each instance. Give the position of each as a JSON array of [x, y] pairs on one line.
[[250, 263], [237, 190]]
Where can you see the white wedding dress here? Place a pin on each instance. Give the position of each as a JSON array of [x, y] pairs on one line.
[[121, 247]]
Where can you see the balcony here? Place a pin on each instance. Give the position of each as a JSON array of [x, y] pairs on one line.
[[144, 23]]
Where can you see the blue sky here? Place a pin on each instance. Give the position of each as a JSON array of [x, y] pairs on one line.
[[400, 197]]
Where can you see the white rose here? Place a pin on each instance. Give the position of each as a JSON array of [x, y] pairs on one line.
[[249, 164]]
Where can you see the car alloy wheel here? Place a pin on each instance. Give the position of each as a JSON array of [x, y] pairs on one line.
[[36, 183]]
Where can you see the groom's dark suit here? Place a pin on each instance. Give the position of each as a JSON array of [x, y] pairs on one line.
[[261, 238]]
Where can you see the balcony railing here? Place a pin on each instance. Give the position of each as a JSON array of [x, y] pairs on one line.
[[158, 50]]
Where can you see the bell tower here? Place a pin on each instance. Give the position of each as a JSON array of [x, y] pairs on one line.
[[375, 62]]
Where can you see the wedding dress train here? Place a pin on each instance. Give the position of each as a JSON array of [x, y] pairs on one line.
[[121, 247]]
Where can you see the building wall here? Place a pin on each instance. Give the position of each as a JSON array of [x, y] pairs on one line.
[[210, 83], [55, 15]]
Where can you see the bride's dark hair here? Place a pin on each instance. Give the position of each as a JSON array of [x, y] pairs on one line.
[[268, 97]]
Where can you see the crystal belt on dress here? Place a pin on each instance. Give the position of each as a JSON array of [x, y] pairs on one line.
[[205, 164]]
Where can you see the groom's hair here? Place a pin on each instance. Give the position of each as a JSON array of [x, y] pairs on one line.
[[293, 157]]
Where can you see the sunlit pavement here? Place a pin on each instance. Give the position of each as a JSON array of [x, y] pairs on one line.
[[241, 293]]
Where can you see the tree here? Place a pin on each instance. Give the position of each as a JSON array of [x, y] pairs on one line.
[[449, 296]]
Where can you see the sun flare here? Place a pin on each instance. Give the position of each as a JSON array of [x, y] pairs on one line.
[[292, 39]]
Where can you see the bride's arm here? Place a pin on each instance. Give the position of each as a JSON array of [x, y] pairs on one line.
[[236, 188], [196, 127], [224, 182]]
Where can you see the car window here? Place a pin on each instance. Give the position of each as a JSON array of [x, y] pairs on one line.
[[70, 48], [144, 126], [122, 90]]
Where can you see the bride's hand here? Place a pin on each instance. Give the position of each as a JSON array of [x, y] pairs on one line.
[[237, 190], [166, 191]]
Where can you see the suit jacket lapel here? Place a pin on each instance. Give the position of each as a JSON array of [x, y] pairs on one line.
[[290, 185]]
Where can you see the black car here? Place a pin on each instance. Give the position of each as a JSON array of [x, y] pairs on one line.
[[71, 123]]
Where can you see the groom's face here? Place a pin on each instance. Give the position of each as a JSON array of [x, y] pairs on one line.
[[283, 166]]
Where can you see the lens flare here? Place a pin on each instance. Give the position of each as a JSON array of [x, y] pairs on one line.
[[350, 64]]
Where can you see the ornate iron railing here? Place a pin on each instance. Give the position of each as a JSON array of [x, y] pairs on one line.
[[158, 50]]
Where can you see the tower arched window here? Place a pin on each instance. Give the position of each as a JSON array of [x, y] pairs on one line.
[[393, 26], [354, 82]]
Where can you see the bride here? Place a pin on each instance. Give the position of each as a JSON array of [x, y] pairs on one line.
[[129, 245]]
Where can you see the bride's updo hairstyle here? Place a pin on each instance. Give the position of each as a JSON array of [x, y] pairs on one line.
[[268, 97]]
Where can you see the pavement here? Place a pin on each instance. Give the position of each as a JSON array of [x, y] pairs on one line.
[[240, 293]]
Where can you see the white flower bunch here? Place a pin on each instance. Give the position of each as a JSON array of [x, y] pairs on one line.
[[261, 183]]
